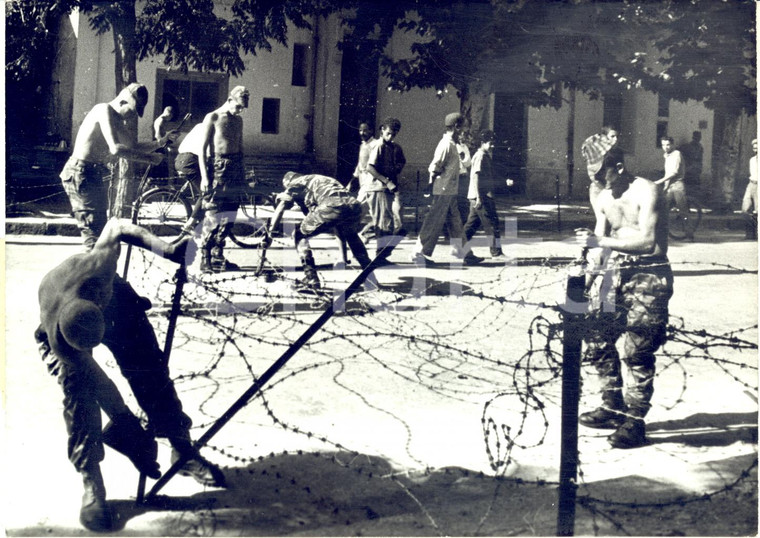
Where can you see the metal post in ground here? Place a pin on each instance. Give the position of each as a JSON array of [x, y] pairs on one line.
[[246, 397], [571, 370], [180, 278], [556, 191]]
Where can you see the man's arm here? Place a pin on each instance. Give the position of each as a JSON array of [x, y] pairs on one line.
[[107, 118], [439, 159], [117, 230], [673, 169], [641, 240], [374, 157], [207, 145]]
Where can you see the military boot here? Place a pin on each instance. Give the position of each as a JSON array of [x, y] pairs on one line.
[[602, 418], [219, 263], [311, 278], [206, 266], [95, 514], [630, 434]]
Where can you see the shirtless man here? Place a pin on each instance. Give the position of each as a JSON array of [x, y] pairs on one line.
[[632, 233], [83, 303], [102, 138], [221, 137]]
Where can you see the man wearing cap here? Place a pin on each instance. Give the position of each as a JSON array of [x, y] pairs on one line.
[[480, 194], [629, 290], [221, 137], [594, 148], [444, 211], [84, 303], [102, 138], [749, 201], [329, 208]]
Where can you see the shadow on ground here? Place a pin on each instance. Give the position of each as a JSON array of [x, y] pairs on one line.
[[341, 494]]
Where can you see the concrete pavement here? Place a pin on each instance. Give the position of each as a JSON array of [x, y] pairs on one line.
[[395, 401]]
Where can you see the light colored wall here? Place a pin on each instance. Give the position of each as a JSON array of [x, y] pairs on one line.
[[546, 152], [266, 75], [327, 95], [421, 113]]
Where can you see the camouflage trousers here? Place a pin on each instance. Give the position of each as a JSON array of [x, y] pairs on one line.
[[639, 290]]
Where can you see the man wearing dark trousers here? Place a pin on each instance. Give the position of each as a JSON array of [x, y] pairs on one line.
[[84, 303]]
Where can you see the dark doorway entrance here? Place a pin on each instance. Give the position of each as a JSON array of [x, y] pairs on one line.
[[358, 98], [510, 152]]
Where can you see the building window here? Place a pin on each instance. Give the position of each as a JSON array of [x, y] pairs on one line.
[[270, 116], [663, 117], [300, 64], [194, 93]]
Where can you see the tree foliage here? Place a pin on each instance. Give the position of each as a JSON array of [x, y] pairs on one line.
[[687, 49]]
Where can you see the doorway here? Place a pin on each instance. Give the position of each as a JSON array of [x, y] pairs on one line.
[[358, 103]]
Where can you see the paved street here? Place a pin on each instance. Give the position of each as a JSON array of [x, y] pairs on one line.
[[442, 369]]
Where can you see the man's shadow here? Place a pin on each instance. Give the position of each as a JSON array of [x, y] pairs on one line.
[[287, 493], [706, 429]]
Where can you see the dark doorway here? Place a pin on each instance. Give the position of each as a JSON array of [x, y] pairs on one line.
[[510, 151], [358, 98]]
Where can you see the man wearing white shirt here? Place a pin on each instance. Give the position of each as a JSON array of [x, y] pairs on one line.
[[672, 182], [444, 176], [749, 202]]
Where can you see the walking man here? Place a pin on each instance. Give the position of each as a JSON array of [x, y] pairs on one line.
[[637, 282], [84, 303], [749, 202], [481, 195], [672, 182], [444, 211], [364, 178], [222, 138], [102, 138]]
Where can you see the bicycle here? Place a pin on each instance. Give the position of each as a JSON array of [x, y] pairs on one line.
[[169, 211]]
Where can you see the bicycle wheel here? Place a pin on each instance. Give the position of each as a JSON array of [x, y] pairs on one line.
[[248, 232], [163, 211]]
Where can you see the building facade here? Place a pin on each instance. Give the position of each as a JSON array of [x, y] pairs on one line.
[[308, 98]]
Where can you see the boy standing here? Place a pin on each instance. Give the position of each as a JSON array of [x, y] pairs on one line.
[[386, 160]]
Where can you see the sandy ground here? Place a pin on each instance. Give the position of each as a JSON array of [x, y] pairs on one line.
[[421, 411]]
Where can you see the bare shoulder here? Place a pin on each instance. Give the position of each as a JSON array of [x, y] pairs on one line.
[[644, 186]]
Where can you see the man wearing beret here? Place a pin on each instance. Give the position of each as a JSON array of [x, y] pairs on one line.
[[102, 138], [444, 211], [84, 303]]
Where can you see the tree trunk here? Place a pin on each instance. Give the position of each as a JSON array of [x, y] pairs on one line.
[[123, 20], [726, 149], [474, 103], [570, 139]]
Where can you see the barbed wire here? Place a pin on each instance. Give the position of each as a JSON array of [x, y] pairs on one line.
[[231, 323]]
